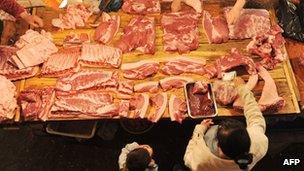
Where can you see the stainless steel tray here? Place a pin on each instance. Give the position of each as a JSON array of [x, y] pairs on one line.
[[210, 96]]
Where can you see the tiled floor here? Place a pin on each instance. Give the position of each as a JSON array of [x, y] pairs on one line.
[[31, 149]]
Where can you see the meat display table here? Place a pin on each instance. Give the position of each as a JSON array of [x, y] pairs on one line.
[[282, 74]]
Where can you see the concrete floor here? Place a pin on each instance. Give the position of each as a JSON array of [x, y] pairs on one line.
[[29, 148]]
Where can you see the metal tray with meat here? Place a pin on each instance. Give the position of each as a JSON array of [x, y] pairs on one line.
[[200, 100]]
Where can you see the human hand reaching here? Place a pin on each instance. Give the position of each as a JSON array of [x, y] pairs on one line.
[[238, 81], [176, 5], [233, 15], [33, 20], [207, 122]]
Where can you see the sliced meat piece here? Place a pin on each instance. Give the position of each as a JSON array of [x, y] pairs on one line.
[[235, 59], [180, 31], [107, 29], [140, 70], [174, 82], [124, 107], [270, 101], [151, 87], [73, 39], [140, 105], [125, 87], [159, 104], [8, 102], [225, 92], [177, 109], [200, 87], [87, 79], [100, 55], [139, 34], [141, 6], [180, 65], [250, 23], [216, 28], [211, 70], [252, 81]]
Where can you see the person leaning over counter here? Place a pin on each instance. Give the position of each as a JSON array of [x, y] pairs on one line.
[[16, 10], [230, 145]]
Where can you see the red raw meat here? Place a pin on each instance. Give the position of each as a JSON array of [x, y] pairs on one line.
[[225, 92], [159, 104], [87, 79], [177, 109], [36, 103], [107, 29], [268, 47], [139, 105], [75, 39], [174, 82], [8, 102], [139, 34], [270, 100], [211, 71], [250, 23], [141, 6], [100, 55], [151, 87], [252, 81], [216, 28], [180, 31], [140, 70], [180, 65], [124, 107], [9, 69], [125, 87], [61, 63], [235, 59], [200, 87]]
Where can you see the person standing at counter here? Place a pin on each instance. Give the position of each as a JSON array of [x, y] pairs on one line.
[[230, 145], [16, 10]]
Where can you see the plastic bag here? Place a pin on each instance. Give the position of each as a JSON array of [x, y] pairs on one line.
[[110, 5], [291, 19]]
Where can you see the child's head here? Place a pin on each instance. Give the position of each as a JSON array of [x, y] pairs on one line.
[[234, 141], [139, 158]]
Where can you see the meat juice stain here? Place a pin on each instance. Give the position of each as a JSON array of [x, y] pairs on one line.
[[200, 104]]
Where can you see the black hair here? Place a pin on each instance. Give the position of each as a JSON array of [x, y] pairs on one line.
[[234, 141], [138, 159]]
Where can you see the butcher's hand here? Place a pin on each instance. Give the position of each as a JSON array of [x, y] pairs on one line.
[[235, 12], [238, 81], [207, 122], [33, 20], [176, 5]]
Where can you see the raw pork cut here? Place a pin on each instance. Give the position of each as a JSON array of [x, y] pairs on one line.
[[9, 69], [75, 39], [270, 100], [139, 34], [87, 79], [125, 87], [174, 82], [141, 6], [100, 55], [124, 108], [216, 28], [139, 105], [151, 87], [268, 47], [235, 59], [200, 87], [250, 23], [225, 92], [76, 16], [107, 29], [211, 70], [140, 70], [61, 63], [252, 81], [36, 103], [8, 102], [177, 109], [159, 104], [180, 31], [180, 65], [85, 104]]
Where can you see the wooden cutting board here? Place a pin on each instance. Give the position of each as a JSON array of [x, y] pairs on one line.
[[282, 74]]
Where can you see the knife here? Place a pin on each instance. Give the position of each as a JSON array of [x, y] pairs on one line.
[[102, 6]]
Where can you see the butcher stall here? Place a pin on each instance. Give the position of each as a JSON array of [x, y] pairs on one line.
[[137, 63]]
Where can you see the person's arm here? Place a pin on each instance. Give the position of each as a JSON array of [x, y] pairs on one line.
[[235, 12], [11, 7], [124, 152], [252, 112], [176, 5]]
